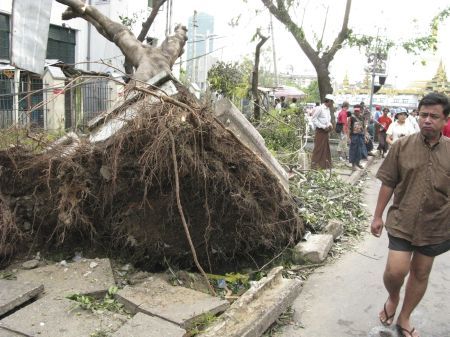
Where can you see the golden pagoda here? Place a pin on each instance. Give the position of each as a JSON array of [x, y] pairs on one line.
[[439, 83]]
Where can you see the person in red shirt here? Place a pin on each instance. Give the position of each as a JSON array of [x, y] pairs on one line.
[[383, 122], [343, 120], [446, 129]]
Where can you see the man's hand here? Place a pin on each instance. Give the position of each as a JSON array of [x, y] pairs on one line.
[[377, 226]]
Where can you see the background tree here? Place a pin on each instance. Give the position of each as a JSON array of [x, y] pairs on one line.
[[230, 79], [320, 57], [255, 94]]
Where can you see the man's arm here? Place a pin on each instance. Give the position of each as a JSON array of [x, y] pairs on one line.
[[384, 196]]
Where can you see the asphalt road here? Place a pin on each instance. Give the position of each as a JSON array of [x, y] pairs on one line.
[[343, 299]]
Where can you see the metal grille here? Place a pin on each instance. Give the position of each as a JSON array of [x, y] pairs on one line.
[[31, 98], [85, 102]]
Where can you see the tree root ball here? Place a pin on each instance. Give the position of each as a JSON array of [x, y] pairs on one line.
[[122, 194]]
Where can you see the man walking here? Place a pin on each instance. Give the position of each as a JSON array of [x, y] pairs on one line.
[[321, 156], [417, 171]]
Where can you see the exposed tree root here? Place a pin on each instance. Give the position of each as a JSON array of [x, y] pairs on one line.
[[172, 166]]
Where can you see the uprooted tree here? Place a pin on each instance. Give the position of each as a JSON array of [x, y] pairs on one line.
[[172, 186]]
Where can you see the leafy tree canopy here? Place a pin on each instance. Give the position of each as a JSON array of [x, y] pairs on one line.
[[231, 78]]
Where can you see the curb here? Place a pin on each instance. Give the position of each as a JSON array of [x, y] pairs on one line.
[[356, 175]]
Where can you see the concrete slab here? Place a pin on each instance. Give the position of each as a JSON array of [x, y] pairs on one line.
[[56, 317], [142, 325], [178, 305], [258, 308], [76, 277], [235, 122], [315, 250], [15, 293]]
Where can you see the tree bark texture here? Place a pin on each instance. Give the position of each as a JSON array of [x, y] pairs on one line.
[[147, 60], [320, 59]]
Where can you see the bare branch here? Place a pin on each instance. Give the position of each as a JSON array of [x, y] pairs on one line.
[[148, 23], [342, 36]]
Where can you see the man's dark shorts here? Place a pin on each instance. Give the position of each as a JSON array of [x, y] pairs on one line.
[[406, 246]]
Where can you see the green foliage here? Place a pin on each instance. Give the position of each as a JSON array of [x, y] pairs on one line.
[[90, 303], [230, 79], [312, 92], [235, 282], [282, 131], [323, 197], [7, 275], [200, 324]]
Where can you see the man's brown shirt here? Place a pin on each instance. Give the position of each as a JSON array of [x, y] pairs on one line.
[[420, 177]]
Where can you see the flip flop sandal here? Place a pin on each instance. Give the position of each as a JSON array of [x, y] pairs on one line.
[[387, 317], [401, 331]]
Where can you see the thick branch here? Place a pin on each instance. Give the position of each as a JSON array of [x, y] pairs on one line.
[[113, 31], [281, 13], [342, 36], [148, 23]]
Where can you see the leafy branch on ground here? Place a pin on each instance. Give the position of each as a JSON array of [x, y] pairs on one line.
[[200, 324], [322, 196], [90, 303]]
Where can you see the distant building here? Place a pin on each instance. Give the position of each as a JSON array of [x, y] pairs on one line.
[[199, 47]]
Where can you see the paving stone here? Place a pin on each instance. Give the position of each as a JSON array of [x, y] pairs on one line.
[[76, 277], [15, 293], [142, 325], [258, 308], [57, 317], [315, 250], [8, 333], [176, 304], [335, 228]]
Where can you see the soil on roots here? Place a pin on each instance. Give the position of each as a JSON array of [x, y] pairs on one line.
[[122, 194]]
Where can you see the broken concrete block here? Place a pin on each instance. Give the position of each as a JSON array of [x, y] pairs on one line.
[[31, 264], [315, 250], [15, 293], [258, 308], [234, 121], [335, 228], [142, 325], [179, 305]]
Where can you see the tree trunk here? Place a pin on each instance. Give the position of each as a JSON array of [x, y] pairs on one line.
[[147, 60], [256, 102], [319, 58]]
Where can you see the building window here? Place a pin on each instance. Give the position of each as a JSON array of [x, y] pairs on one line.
[[61, 44], [4, 36], [405, 101]]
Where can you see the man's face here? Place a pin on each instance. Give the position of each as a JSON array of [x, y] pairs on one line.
[[329, 103], [431, 121]]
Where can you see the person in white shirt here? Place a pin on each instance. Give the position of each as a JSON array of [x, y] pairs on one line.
[[400, 128], [321, 156]]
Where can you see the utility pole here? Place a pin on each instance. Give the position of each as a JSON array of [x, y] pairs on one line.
[[274, 52], [194, 59]]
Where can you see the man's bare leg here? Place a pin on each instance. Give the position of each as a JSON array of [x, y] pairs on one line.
[[415, 288], [397, 267]]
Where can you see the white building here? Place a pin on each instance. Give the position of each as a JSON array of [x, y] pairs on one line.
[[73, 42]]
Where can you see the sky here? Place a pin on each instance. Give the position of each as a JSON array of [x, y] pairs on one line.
[[397, 19]]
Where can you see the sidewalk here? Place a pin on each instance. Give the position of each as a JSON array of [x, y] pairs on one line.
[[343, 299]]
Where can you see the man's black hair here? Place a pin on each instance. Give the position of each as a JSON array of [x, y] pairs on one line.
[[436, 98]]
